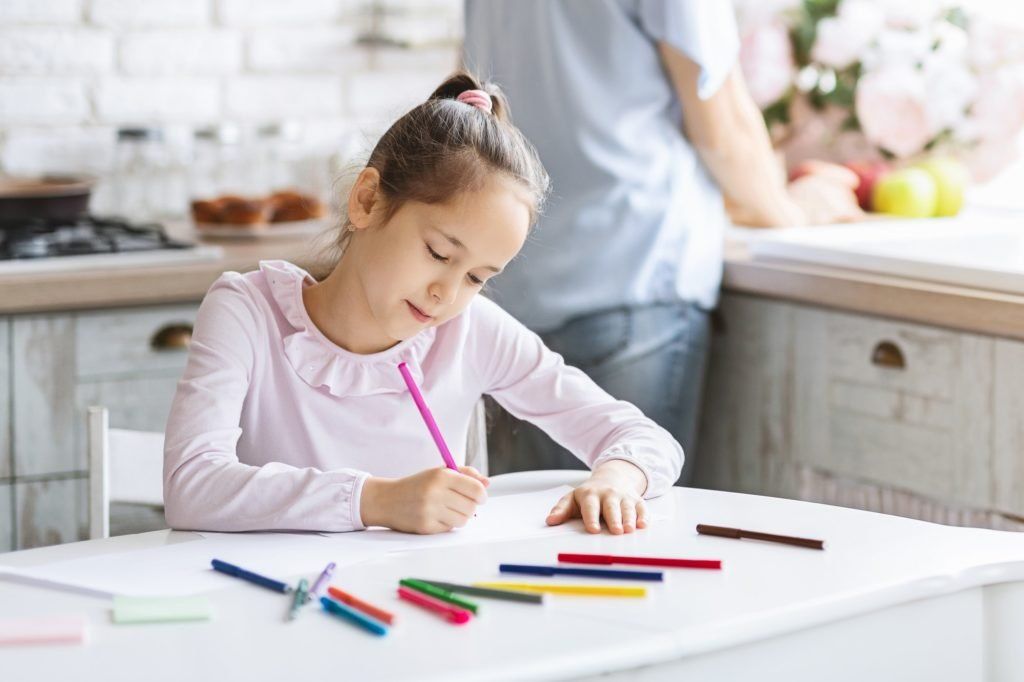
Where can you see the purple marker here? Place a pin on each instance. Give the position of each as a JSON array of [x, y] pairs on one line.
[[325, 575]]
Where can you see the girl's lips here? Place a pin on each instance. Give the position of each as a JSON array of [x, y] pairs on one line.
[[418, 314]]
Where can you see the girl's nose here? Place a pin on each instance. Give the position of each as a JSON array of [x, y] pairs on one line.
[[443, 292]]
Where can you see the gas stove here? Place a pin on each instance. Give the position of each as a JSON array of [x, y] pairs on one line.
[[40, 245]]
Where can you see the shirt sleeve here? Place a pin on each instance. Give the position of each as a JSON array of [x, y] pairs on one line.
[[703, 30], [206, 487], [533, 383]]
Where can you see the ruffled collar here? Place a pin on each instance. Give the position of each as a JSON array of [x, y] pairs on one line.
[[320, 362]]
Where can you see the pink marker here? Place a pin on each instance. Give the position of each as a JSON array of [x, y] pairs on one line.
[[428, 418]]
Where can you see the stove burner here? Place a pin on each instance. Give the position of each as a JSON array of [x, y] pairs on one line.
[[42, 238]]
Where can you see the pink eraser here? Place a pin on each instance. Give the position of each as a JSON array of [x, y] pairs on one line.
[[60, 629]]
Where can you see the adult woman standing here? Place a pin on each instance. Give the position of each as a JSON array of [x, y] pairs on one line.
[[641, 116]]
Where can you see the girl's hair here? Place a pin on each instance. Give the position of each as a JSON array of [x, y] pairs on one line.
[[444, 146]]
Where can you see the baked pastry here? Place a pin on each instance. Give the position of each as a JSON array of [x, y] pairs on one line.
[[205, 211], [292, 206], [239, 211]]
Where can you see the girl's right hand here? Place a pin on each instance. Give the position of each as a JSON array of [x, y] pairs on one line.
[[432, 501]]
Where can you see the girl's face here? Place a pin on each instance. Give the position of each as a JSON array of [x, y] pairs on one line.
[[425, 265]]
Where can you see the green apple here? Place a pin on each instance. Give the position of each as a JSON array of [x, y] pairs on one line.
[[951, 180], [909, 192]]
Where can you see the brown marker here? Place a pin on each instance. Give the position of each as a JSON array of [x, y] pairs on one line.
[[738, 534]]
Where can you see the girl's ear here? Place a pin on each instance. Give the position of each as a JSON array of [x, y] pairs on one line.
[[364, 198]]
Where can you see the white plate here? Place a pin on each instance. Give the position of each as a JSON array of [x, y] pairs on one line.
[[295, 228]]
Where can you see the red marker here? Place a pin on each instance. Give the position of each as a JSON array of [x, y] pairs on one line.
[[452, 614], [608, 559]]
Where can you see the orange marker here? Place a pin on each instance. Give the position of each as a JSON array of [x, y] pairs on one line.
[[357, 603]]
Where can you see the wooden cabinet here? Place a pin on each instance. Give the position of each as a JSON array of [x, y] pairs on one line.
[[6, 453], [849, 409], [128, 360]]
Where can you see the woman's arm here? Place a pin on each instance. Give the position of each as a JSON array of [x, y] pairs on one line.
[[728, 132]]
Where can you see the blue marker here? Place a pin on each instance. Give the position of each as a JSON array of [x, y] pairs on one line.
[[353, 616], [255, 578], [588, 572]]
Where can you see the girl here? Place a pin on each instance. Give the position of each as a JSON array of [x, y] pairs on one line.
[[292, 413]]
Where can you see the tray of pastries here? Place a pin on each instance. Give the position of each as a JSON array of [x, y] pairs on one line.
[[281, 214]]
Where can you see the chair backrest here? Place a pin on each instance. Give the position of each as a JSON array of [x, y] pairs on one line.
[[476, 439], [124, 466]]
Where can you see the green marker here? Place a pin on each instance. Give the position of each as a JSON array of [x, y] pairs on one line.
[[435, 591], [300, 599], [487, 593]]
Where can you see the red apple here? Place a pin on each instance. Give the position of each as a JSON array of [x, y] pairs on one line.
[[868, 172]]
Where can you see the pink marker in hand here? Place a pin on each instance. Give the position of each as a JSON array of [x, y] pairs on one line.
[[428, 418]]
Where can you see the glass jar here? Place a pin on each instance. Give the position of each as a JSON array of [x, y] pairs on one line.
[[218, 163], [277, 149], [137, 182]]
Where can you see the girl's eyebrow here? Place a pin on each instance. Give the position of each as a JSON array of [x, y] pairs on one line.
[[458, 244]]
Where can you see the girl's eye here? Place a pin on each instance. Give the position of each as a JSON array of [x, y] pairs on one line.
[[475, 280], [435, 255]]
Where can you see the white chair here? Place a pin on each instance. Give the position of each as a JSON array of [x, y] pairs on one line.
[[126, 470], [532, 481]]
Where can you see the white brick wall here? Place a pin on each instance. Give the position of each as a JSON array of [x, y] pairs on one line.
[[43, 12], [181, 52], [72, 71]]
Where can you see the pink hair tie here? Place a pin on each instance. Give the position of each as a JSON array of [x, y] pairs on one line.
[[476, 98]]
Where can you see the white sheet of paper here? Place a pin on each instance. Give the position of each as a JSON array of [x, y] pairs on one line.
[[500, 519], [183, 568]]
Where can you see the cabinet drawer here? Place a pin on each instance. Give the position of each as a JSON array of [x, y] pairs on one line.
[[51, 512], [898, 404], [132, 341], [902, 358]]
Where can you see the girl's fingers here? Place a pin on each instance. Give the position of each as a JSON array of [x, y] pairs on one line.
[[562, 510], [611, 507], [641, 514], [628, 516], [469, 487], [590, 509], [460, 504], [473, 473]]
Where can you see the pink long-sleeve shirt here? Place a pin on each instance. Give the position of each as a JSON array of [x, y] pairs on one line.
[[273, 426]]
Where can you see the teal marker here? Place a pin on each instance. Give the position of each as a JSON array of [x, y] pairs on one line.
[[300, 599]]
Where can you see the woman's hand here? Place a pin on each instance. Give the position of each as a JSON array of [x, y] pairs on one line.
[[432, 501], [613, 492], [826, 193]]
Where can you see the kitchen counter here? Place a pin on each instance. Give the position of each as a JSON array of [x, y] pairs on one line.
[[955, 307], [129, 286]]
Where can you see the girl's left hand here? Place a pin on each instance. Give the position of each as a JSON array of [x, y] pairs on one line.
[[613, 492]]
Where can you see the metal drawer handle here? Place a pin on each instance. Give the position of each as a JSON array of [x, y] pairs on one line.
[[175, 336], [888, 354]]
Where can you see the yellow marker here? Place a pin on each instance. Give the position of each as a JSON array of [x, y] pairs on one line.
[[581, 590]]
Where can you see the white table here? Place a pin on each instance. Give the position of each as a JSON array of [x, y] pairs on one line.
[[888, 599]]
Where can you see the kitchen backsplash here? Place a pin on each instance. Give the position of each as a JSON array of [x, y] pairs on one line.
[[74, 71]]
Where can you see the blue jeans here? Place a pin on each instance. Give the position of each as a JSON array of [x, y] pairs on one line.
[[653, 356]]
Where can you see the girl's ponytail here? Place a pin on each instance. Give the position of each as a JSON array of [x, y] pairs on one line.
[[463, 82]]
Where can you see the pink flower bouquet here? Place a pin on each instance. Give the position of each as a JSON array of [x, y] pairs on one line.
[[860, 80]]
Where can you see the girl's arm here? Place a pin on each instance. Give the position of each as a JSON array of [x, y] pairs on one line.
[[628, 453], [205, 486]]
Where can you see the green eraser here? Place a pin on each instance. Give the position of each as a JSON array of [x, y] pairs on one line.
[[160, 609]]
